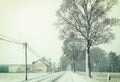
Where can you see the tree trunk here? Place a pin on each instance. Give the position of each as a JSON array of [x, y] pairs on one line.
[[88, 66], [74, 67]]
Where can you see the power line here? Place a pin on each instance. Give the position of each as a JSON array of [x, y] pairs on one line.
[[33, 51], [10, 39], [7, 39]]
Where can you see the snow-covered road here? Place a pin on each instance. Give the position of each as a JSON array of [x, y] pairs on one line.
[[71, 77], [60, 77]]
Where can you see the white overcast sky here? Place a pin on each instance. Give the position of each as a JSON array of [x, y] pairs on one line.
[[33, 21]]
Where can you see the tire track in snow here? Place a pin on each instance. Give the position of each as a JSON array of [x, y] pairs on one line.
[[51, 78], [67, 77], [32, 79], [57, 78], [43, 78], [71, 77]]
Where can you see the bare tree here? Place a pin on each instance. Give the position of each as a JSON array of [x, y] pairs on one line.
[[89, 21], [72, 50]]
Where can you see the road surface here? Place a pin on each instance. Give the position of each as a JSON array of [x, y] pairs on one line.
[[59, 77], [45, 77]]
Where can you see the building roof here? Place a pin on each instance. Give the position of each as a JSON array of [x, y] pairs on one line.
[[43, 60]]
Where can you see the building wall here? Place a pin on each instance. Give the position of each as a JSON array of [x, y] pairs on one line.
[[35, 67], [13, 68], [19, 68], [39, 67], [3, 69]]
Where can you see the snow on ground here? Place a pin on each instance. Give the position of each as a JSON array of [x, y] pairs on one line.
[[18, 77], [51, 79], [87, 78], [71, 77], [45, 77]]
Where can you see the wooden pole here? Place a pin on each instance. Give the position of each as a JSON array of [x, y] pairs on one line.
[[25, 44]]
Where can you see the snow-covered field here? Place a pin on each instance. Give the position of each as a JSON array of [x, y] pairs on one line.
[[18, 77]]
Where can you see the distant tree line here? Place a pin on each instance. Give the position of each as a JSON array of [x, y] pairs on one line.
[[100, 60]]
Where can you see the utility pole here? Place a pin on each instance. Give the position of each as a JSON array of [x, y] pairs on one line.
[[25, 44]]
